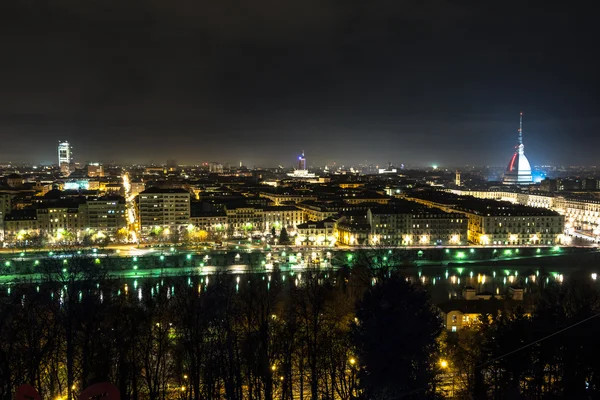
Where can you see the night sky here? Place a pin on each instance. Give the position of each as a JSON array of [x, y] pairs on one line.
[[417, 82]]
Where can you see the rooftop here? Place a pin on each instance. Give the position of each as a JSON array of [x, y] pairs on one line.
[[482, 206], [156, 190]]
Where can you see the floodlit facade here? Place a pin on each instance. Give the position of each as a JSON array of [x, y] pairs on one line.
[[65, 157], [518, 171], [164, 208], [492, 222], [580, 213]]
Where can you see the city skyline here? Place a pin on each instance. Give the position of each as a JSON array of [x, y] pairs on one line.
[[424, 84]]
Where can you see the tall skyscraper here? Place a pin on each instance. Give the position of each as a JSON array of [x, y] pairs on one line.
[[518, 171], [65, 155], [302, 161]]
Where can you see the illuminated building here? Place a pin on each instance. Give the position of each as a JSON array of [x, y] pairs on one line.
[[465, 312], [389, 170], [65, 155], [244, 219], [457, 179], [518, 171], [167, 209], [107, 214], [215, 167], [5, 208], [279, 199], [302, 161], [15, 180], [316, 233], [282, 217], [351, 233], [412, 224], [95, 170], [581, 213], [214, 222], [494, 222], [301, 172]]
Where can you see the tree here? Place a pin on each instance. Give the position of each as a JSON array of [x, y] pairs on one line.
[[273, 233], [395, 337], [283, 236], [122, 235]]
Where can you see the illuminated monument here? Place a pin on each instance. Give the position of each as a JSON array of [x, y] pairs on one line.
[[301, 172], [518, 171]]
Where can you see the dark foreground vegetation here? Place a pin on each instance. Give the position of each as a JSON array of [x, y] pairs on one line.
[[368, 333]]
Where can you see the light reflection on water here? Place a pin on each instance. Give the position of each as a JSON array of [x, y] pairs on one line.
[[442, 282]]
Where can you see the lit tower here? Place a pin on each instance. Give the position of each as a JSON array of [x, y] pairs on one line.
[[65, 155], [457, 179], [302, 161], [518, 171]]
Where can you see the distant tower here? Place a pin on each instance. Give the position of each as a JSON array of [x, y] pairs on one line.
[[65, 155], [457, 179], [302, 161], [518, 171]]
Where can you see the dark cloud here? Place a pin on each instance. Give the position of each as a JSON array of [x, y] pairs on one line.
[[403, 81]]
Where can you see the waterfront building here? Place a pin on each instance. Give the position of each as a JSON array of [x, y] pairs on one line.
[[282, 217], [316, 233], [492, 222], [163, 208]]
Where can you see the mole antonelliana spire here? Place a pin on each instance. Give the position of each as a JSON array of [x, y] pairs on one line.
[[518, 171]]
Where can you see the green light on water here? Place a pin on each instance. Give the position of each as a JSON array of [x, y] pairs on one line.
[[460, 271], [97, 261], [135, 267], [349, 257], [507, 252], [36, 262], [162, 258], [64, 270], [7, 263], [472, 251], [189, 256], [135, 259], [460, 254], [538, 251], [22, 254], [447, 251]]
